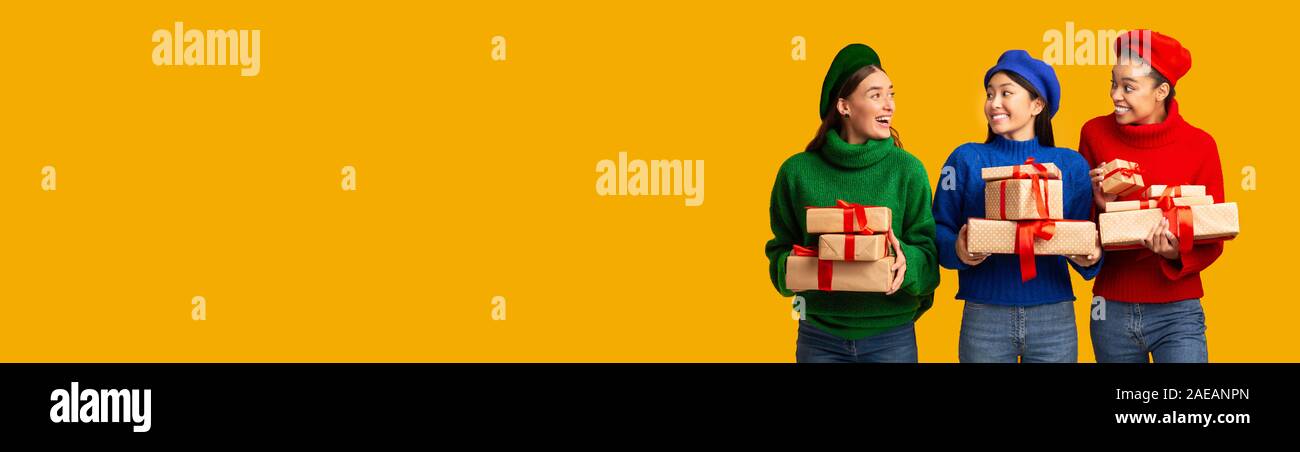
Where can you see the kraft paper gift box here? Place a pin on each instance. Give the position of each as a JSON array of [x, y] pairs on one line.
[[1016, 199], [1120, 206], [1071, 238], [811, 273], [1122, 178], [852, 247], [1156, 191], [1048, 171], [1125, 230], [847, 217]]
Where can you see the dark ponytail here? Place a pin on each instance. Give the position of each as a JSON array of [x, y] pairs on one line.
[[833, 120]]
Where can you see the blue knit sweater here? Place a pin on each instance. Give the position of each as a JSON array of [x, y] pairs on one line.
[[960, 195]]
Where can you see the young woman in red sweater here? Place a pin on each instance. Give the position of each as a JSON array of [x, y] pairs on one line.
[[1151, 308]]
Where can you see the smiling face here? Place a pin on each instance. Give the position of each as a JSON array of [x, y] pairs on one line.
[[1010, 108], [1138, 96], [869, 110]]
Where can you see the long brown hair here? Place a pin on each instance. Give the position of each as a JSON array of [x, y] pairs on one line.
[[833, 121]]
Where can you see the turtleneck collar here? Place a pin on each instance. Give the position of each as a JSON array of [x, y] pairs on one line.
[[840, 153], [1152, 135], [1016, 147]]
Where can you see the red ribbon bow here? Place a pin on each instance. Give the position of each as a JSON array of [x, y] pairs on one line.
[[1040, 200], [1180, 219], [852, 212], [1039, 169], [1126, 171], [1026, 232]]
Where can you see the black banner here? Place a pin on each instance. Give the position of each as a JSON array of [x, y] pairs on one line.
[[148, 400]]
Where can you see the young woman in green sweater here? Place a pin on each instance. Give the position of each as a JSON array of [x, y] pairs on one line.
[[856, 156]]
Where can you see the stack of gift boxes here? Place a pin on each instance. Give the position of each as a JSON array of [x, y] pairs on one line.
[[1024, 216], [1024, 208], [1193, 216], [853, 251]]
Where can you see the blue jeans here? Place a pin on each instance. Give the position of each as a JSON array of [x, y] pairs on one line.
[[895, 345], [1006, 334], [1138, 332]]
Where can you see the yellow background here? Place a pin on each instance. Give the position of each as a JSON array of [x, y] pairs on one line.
[[475, 177]]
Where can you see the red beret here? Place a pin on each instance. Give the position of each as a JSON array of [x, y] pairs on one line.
[[1164, 53]]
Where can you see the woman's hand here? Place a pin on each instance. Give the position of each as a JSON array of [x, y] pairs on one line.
[[1097, 195], [964, 254], [1161, 241], [900, 264]]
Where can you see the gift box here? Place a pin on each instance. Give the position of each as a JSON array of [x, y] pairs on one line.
[[1120, 206], [1024, 199], [1027, 239], [1030, 168], [852, 247], [1201, 223], [1070, 237], [1176, 191], [810, 273], [1122, 178], [847, 217]]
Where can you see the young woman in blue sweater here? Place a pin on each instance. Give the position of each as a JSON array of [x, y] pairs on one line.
[[1005, 319]]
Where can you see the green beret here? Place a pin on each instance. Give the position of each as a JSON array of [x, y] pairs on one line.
[[851, 58]]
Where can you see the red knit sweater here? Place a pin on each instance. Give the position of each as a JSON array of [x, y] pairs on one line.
[[1172, 152]]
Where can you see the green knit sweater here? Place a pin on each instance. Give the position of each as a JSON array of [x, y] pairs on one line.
[[876, 173]]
